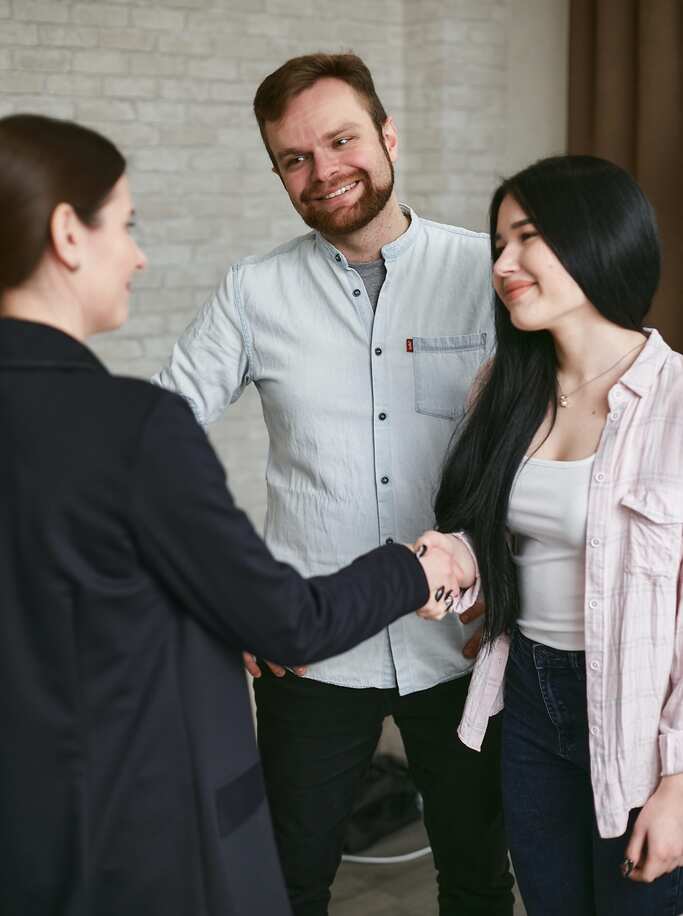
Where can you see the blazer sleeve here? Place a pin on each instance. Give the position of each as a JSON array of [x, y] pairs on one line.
[[205, 552]]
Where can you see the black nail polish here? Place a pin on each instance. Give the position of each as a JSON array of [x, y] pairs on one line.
[[627, 867], [438, 594]]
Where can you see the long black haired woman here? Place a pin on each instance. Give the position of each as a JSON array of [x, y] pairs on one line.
[[567, 483], [129, 583]]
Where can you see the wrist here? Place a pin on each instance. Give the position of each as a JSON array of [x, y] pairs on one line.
[[465, 561], [672, 784]]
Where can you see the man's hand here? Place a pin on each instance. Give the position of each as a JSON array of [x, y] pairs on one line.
[[656, 844], [473, 644], [254, 670]]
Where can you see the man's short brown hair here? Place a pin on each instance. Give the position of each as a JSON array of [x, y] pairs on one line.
[[299, 73]]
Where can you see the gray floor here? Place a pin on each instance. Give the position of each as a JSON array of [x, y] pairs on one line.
[[406, 889]]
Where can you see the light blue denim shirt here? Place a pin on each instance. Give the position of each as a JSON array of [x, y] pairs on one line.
[[360, 408]]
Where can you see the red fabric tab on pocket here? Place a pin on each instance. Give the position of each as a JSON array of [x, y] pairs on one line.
[[409, 344]]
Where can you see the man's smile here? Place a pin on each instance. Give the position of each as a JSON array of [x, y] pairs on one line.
[[339, 191]]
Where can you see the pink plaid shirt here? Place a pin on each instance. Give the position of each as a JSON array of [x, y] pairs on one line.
[[633, 595]]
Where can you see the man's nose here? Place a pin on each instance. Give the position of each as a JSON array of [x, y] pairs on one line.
[[325, 165]]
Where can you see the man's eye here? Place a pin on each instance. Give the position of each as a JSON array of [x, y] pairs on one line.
[[295, 160], [342, 141]]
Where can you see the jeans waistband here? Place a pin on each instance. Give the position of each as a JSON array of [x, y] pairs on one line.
[[543, 656]]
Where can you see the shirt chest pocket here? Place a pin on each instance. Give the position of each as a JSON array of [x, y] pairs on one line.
[[654, 531], [444, 369]]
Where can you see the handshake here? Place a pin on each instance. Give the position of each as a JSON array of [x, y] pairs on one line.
[[448, 566]]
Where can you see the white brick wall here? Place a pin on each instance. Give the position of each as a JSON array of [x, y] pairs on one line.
[[172, 83]]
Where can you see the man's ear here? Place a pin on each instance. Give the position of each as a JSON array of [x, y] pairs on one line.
[[390, 137], [66, 234]]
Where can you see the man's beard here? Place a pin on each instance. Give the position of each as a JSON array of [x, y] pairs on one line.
[[345, 220]]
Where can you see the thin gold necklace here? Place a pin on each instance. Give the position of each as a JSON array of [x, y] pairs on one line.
[[564, 398]]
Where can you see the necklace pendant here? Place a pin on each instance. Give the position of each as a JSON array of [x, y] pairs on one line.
[[564, 402]]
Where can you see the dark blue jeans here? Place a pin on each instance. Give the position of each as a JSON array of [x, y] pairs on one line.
[[562, 865]]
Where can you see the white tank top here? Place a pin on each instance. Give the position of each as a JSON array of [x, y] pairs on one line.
[[547, 522]]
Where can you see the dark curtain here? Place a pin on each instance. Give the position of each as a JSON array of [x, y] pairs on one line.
[[625, 97]]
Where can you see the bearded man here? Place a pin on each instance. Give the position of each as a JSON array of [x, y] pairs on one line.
[[362, 337]]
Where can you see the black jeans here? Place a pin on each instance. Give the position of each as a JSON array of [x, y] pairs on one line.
[[317, 741], [563, 866]]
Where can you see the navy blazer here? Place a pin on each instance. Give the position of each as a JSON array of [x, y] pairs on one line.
[[129, 582]]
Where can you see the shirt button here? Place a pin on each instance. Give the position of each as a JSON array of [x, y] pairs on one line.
[[618, 394], [595, 542], [356, 292], [600, 477], [593, 604], [614, 416], [337, 257], [389, 541], [595, 730], [382, 416], [595, 666], [385, 480], [378, 351]]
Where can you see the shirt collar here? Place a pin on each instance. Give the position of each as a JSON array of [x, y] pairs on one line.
[[642, 374], [31, 345], [389, 252]]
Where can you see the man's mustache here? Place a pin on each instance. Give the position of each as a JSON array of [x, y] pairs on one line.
[[315, 192]]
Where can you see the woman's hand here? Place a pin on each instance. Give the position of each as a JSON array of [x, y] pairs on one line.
[[444, 576], [252, 666], [456, 548], [656, 844]]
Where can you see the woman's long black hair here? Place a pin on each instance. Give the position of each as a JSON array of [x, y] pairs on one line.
[[598, 222]]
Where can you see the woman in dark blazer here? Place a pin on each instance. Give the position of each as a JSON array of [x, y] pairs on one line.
[[129, 583]]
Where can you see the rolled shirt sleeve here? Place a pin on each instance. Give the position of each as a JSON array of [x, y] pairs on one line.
[[468, 596], [210, 363]]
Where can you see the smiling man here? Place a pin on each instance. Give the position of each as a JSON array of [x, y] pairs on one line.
[[362, 337], [344, 187]]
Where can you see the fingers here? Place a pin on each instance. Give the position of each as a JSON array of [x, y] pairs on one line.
[[443, 578], [431, 612], [634, 851], [646, 873], [474, 612], [435, 608], [473, 644], [277, 670], [440, 603], [444, 574], [652, 864], [436, 539], [251, 664], [655, 847], [455, 548]]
